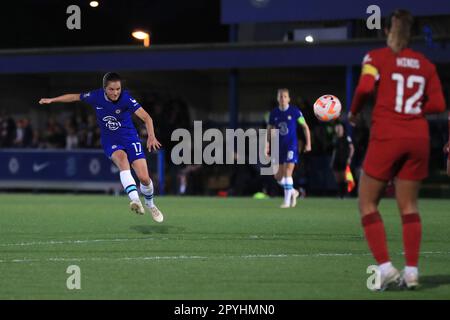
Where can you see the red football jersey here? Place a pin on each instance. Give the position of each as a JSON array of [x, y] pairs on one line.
[[407, 87]]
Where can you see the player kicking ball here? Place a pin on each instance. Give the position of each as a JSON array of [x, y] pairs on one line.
[[119, 138], [286, 118], [408, 88]]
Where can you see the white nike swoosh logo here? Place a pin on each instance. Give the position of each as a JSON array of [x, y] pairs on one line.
[[98, 108], [40, 167], [138, 154]]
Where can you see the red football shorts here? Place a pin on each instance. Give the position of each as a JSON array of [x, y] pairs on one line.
[[405, 159]]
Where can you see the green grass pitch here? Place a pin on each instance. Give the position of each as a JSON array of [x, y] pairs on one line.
[[207, 248]]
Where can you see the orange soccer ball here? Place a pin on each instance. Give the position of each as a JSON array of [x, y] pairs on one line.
[[327, 108]]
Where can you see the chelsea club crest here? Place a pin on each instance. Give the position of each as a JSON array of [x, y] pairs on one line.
[[111, 123]]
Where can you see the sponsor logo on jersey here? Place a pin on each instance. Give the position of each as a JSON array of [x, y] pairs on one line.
[[111, 123], [283, 128], [135, 103], [289, 117]]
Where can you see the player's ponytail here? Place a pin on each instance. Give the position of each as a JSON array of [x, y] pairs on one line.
[[399, 26]]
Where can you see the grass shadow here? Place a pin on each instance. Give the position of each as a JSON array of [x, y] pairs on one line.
[[156, 229], [434, 281]]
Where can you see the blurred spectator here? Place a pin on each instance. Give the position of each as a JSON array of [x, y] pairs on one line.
[[28, 133], [71, 138], [184, 175], [92, 133], [54, 134], [18, 141], [24, 134], [36, 141], [7, 132], [342, 156]]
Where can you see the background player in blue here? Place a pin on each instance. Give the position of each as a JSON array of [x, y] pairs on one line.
[[119, 137], [286, 118]]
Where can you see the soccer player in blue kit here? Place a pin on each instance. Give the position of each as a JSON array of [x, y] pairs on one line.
[[119, 138], [285, 118]]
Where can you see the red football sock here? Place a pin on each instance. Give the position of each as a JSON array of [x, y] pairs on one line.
[[412, 234], [376, 236]]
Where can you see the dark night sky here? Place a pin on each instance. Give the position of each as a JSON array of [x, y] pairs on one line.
[[30, 24]]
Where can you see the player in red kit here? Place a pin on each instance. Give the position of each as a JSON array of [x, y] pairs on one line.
[[407, 87]]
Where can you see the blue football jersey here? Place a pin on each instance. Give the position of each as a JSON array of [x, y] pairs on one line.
[[286, 122], [113, 118]]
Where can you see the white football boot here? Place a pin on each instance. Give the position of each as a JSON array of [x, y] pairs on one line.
[[294, 197], [156, 214], [285, 205], [136, 207], [409, 280], [389, 278]]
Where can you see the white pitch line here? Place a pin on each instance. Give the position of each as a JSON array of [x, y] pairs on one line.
[[184, 257], [88, 241], [53, 242]]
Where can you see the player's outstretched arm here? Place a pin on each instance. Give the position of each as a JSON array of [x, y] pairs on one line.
[[72, 97], [152, 142]]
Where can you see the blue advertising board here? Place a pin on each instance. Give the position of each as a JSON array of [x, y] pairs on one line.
[[81, 169]]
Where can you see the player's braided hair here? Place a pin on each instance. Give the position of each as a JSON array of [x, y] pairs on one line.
[[110, 77], [399, 24]]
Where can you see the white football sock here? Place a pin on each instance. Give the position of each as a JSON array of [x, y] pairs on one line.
[[129, 185], [288, 189], [147, 191]]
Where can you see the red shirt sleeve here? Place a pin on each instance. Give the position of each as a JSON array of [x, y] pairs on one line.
[[364, 89], [435, 98], [366, 84]]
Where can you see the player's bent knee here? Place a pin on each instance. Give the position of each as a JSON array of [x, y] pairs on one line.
[[367, 207], [144, 180], [408, 208], [121, 160]]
